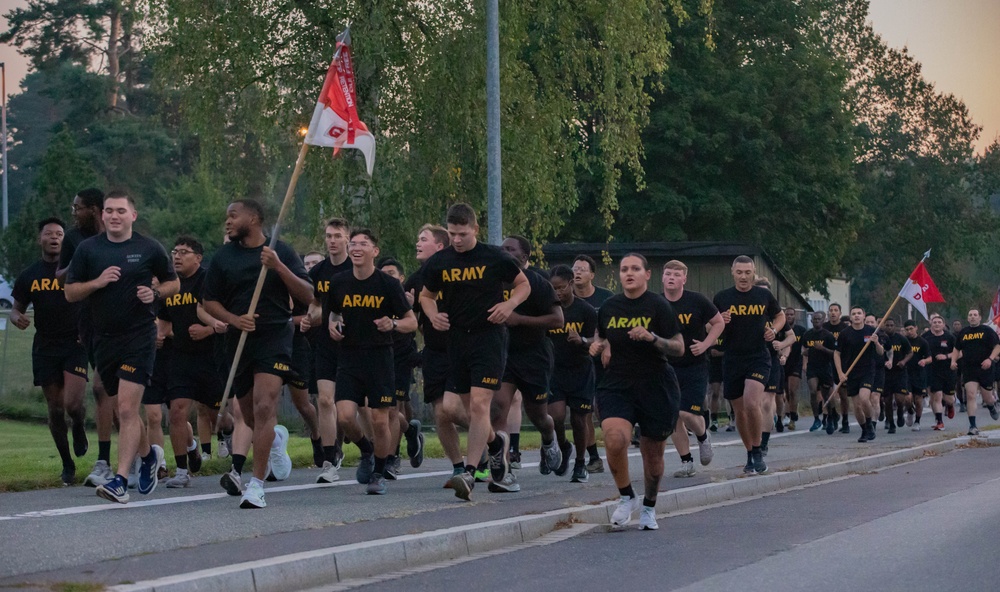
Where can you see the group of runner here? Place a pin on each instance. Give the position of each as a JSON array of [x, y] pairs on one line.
[[499, 335]]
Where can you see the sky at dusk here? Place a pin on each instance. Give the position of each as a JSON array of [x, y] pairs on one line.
[[957, 42]]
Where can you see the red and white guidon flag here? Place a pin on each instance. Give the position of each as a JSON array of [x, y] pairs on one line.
[[920, 289], [995, 310], [335, 122]]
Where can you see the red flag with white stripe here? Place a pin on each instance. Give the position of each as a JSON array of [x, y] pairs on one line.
[[920, 289]]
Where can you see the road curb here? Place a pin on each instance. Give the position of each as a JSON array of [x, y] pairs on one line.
[[310, 569]]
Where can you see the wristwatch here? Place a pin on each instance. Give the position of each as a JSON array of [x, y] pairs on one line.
[[156, 294], [394, 323]]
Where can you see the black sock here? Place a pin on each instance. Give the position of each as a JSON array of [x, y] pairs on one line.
[[470, 469], [972, 421], [687, 457], [457, 466], [494, 446], [380, 465], [181, 460], [238, 461], [703, 437], [715, 417], [330, 454], [991, 407], [749, 455], [104, 450], [939, 417], [627, 491], [515, 442], [579, 462], [206, 447], [592, 451], [764, 438], [754, 450], [365, 446], [844, 420], [794, 415], [649, 503]]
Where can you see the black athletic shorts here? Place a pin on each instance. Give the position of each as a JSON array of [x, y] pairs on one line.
[[575, 386], [196, 377], [715, 369], [268, 350], [87, 341], [878, 378], [325, 353], [693, 382], [301, 362], [50, 358], [436, 370], [128, 356], [776, 378], [793, 366], [942, 381], [739, 368], [365, 377], [856, 381], [897, 382], [530, 369], [651, 401], [478, 358], [975, 373], [823, 374]]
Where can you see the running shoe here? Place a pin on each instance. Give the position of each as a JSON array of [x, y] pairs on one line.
[[149, 474], [415, 443], [686, 470], [973, 432], [194, 459], [232, 482], [253, 497], [845, 429], [205, 457], [647, 519], [318, 457], [950, 411], [779, 427], [515, 459], [114, 490], [636, 435], [80, 442], [909, 419], [328, 474], [454, 472], [864, 436], [580, 474], [366, 466], [892, 428], [596, 465], [482, 476], [759, 466], [178, 481], [939, 426], [817, 424], [748, 468], [391, 468], [731, 427], [508, 485], [714, 427], [791, 425], [705, 452], [871, 430], [225, 445], [551, 458], [499, 464], [68, 476], [961, 409], [763, 449], [567, 450], [376, 485], [100, 475], [280, 462], [622, 515], [994, 412], [915, 428], [161, 471], [463, 484]]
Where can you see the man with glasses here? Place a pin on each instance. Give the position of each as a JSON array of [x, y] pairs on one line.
[[584, 271]]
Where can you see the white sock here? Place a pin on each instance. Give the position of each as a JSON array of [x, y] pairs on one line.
[[193, 446]]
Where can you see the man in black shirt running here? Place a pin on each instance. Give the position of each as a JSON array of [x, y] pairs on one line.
[[977, 350], [114, 272], [793, 368], [470, 277], [818, 346], [267, 355], [896, 375], [858, 385], [58, 361], [916, 370], [584, 272], [835, 325], [941, 379]]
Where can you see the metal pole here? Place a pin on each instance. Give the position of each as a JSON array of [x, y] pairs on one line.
[[494, 200], [3, 83]]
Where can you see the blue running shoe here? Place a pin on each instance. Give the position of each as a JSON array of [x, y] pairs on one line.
[[115, 490], [148, 469]]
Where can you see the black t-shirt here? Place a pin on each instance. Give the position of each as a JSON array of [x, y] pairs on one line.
[[900, 349], [116, 308], [619, 315], [539, 303], [940, 344], [599, 297], [582, 318], [694, 311], [920, 350], [72, 240], [181, 310], [836, 329], [321, 274], [750, 311], [795, 352], [361, 302], [470, 283], [433, 339], [818, 337], [232, 277], [850, 344], [976, 344], [54, 317]]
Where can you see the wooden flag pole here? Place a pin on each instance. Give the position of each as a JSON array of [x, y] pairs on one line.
[[837, 386], [263, 273]]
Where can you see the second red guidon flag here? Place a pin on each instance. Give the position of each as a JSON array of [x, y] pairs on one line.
[[920, 289]]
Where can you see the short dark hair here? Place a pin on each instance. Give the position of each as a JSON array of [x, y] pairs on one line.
[[119, 194], [640, 257], [254, 206], [522, 243], [439, 233], [339, 223], [853, 308], [51, 220], [367, 232], [588, 260], [390, 262], [839, 307], [461, 214], [561, 271], [191, 243], [92, 197], [910, 323], [743, 259]]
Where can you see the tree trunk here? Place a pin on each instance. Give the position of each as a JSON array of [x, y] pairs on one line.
[[113, 64]]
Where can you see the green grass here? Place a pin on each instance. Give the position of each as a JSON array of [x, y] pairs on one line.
[[30, 461]]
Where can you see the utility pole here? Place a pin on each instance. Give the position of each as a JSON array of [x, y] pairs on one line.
[[494, 197], [3, 89]]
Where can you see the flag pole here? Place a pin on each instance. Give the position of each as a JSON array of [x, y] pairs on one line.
[[864, 348], [263, 270]]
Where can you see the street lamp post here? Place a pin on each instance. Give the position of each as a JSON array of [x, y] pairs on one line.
[[494, 200], [3, 90]]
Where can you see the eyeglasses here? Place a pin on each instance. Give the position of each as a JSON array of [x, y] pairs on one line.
[[581, 270], [181, 252]]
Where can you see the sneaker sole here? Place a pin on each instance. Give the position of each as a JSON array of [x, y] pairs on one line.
[[328, 480], [105, 494], [248, 505], [647, 527], [231, 488], [579, 480], [461, 488], [494, 488]]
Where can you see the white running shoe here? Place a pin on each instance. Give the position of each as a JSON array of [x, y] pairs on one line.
[[253, 497], [328, 474], [179, 481], [281, 463], [705, 452], [687, 469], [225, 445], [623, 513], [909, 419], [647, 519], [101, 475]]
